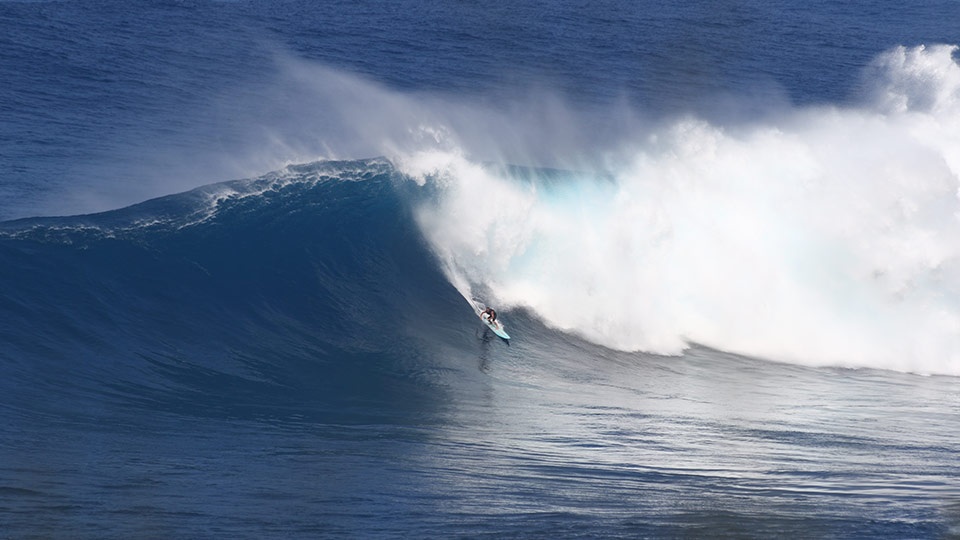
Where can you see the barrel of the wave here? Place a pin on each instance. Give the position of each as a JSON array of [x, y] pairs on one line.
[[496, 325]]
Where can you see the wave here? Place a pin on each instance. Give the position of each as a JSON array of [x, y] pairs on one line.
[[825, 236]]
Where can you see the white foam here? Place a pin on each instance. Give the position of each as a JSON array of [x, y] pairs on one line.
[[829, 237]]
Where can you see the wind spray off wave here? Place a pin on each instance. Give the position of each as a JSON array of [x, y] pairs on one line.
[[830, 236]]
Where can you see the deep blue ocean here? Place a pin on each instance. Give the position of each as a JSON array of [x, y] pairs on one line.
[[240, 239]]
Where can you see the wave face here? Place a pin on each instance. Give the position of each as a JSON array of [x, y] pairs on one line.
[[827, 236], [259, 286]]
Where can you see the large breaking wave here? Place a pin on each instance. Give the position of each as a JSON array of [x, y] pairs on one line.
[[824, 236]]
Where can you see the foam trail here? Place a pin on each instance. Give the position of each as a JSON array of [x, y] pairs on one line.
[[829, 237]]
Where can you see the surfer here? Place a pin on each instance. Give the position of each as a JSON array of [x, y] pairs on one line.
[[489, 317]]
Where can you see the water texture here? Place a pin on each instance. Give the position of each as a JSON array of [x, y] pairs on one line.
[[240, 239]]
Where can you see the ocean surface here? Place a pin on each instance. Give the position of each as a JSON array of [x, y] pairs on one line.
[[240, 241]]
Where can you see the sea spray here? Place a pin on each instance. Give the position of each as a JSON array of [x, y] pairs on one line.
[[830, 236]]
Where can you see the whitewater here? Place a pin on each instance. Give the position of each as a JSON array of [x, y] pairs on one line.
[[828, 236]]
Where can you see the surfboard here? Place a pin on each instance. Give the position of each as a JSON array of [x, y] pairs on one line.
[[497, 326]]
